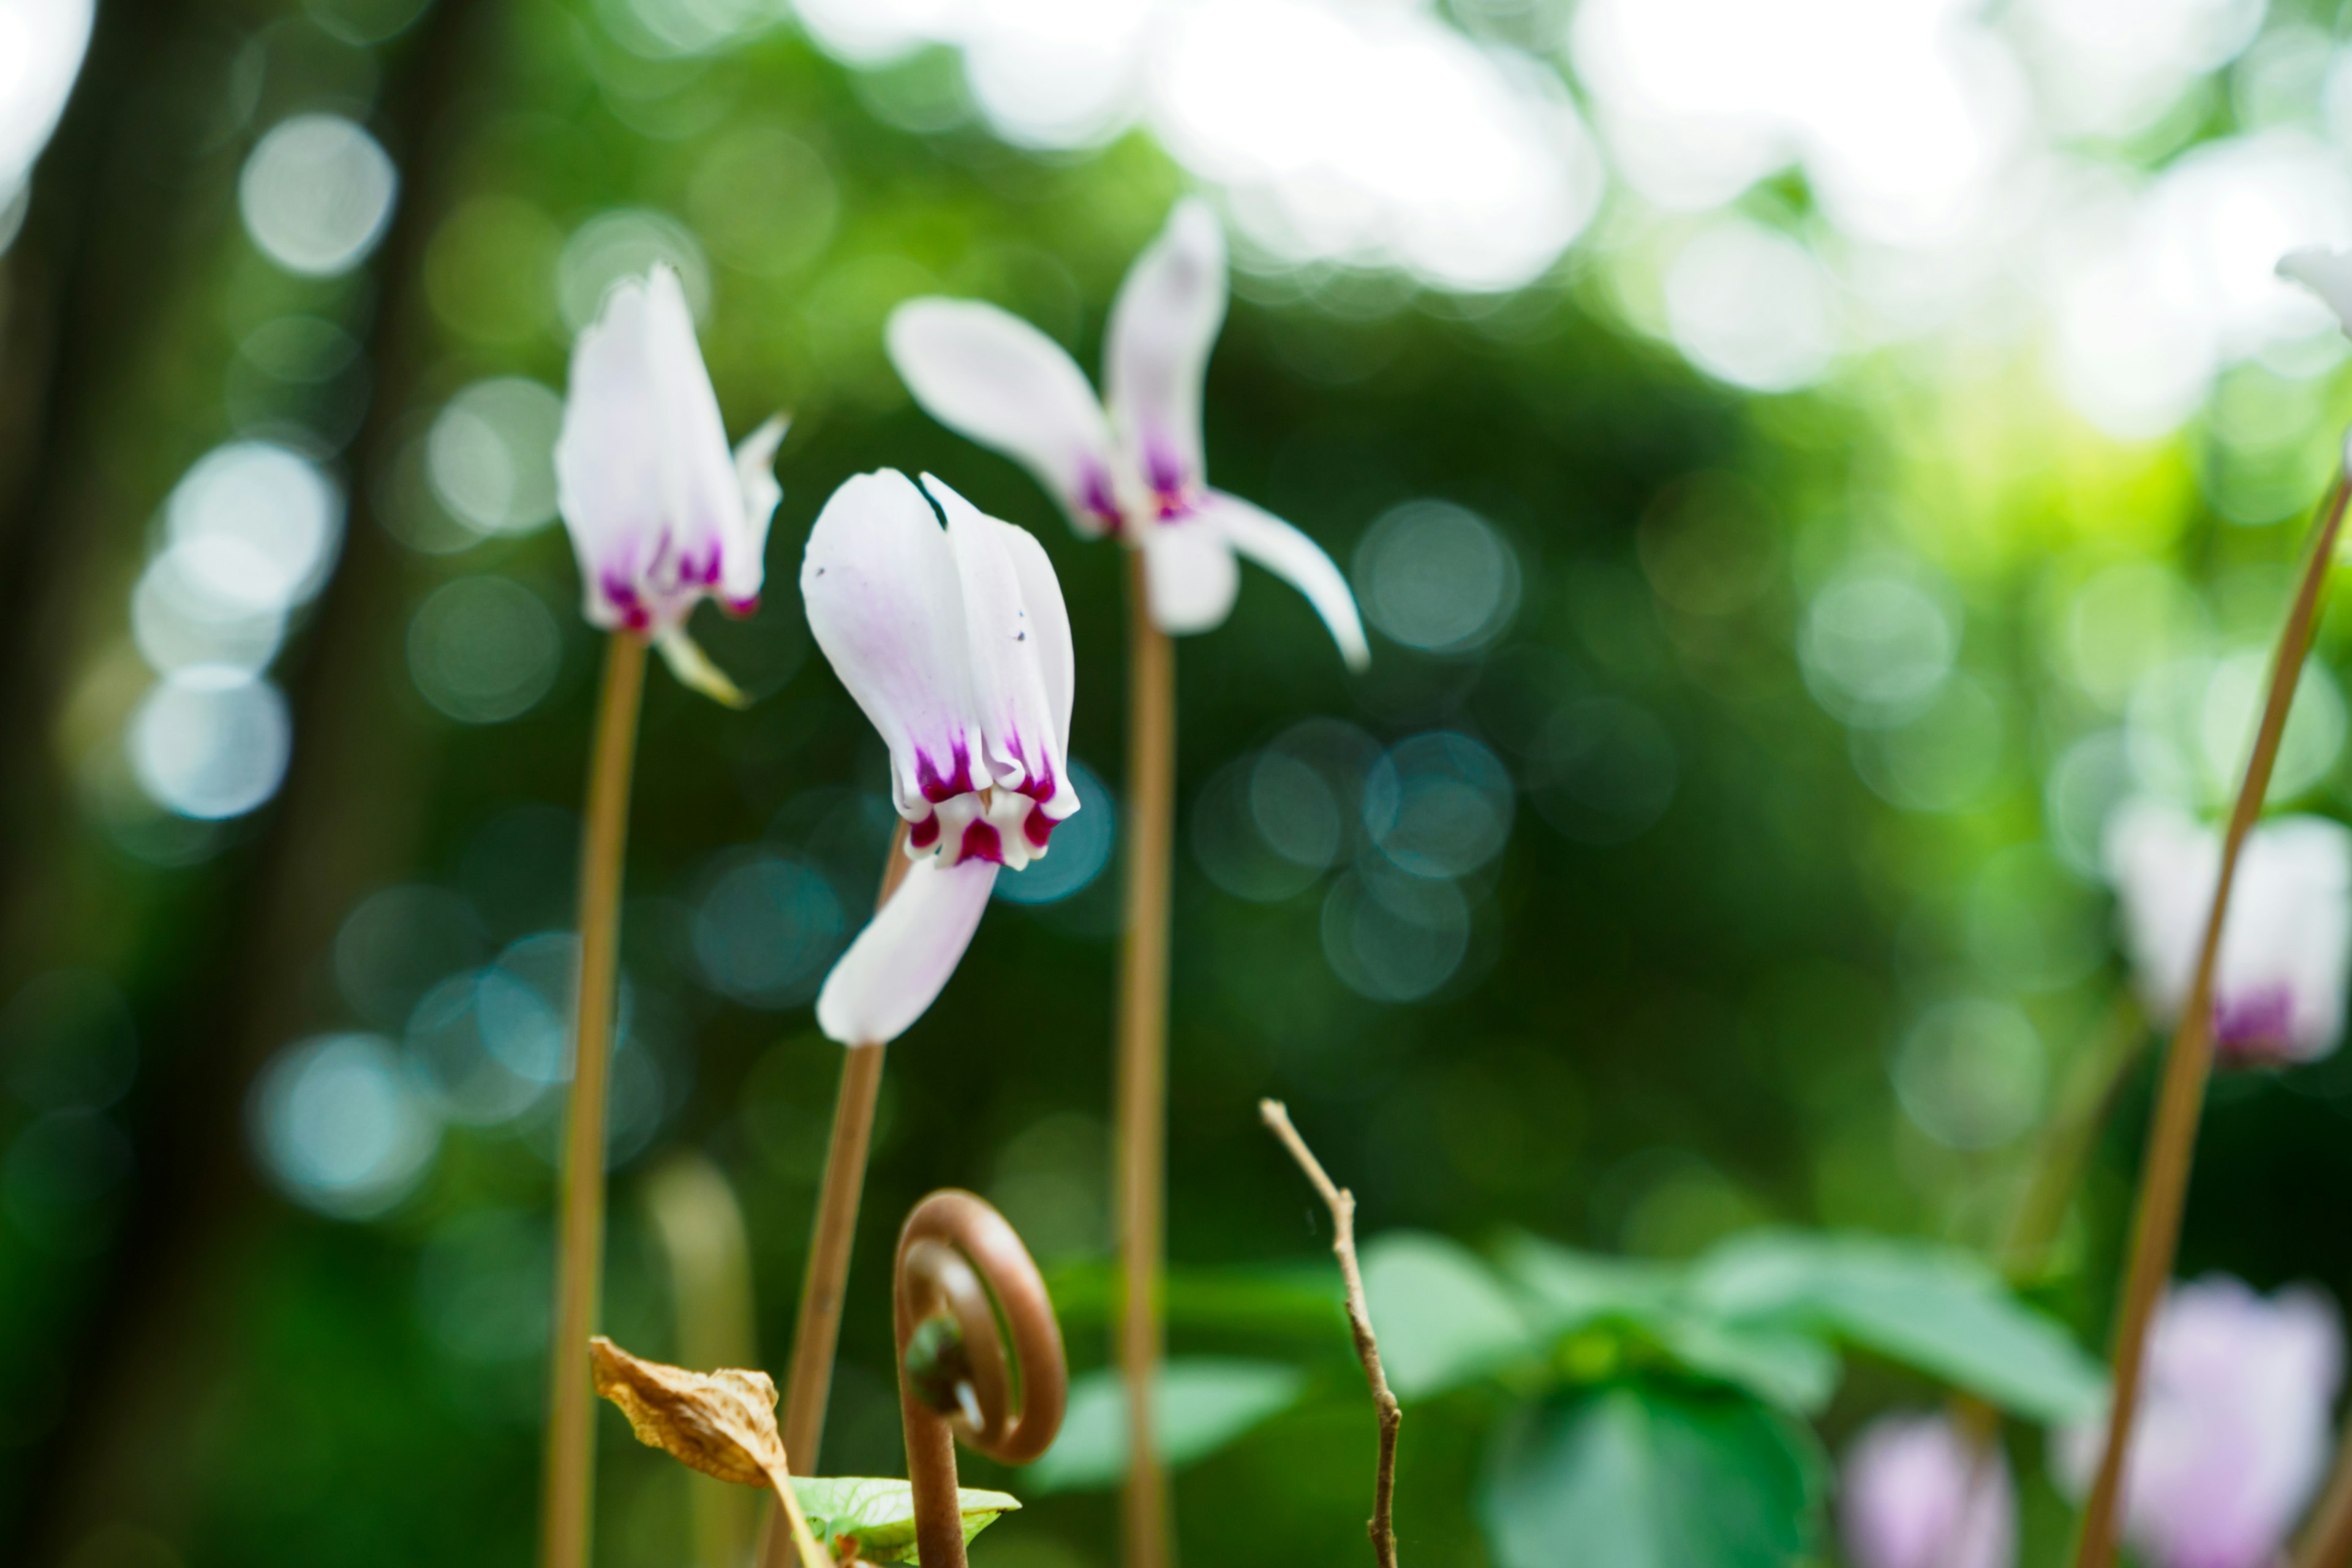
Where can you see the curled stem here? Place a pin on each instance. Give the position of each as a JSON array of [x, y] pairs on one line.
[[568, 1484], [1342, 1205], [2180, 1096], [1142, 1075], [961, 1273]]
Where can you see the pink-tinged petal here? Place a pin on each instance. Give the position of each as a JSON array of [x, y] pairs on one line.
[[2326, 272], [755, 478], [1162, 326], [608, 465], [1916, 1493], [884, 603], [1189, 576], [1000, 380], [1297, 559], [2233, 1432], [2286, 947], [1023, 729], [900, 961]]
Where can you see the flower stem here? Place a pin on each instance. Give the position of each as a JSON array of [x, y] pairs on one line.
[[571, 1473], [2180, 1097], [2327, 1539], [1142, 1086], [817, 1331]]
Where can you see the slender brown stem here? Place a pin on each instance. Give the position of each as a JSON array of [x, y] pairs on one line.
[[2066, 1146], [570, 1481], [961, 1270], [818, 1332], [2172, 1136], [1342, 1205], [2328, 1539], [1142, 1088]]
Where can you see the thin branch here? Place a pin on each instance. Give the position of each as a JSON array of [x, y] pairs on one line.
[[1342, 1205]]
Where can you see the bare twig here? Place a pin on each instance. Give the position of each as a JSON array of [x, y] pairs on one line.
[[1342, 1204]]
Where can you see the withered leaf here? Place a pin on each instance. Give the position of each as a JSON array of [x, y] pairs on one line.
[[721, 1423]]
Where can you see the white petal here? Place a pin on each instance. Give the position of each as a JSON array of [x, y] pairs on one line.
[[1162, 326], [755, 478], [1189, 576], [1007, 386], [1041, 591], [2326, 272], [884, 603], [2163, 866], [608, 473], [1020, 728], [705, 508], [899, 962], [694, 670], [1289, 554]]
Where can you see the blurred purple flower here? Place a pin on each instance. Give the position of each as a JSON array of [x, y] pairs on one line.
[[2286, 948], [1918, 1494], [2232, 1434], [662, 515], [1135, 470]]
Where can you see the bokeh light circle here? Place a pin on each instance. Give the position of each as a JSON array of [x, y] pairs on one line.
[[316, 193], [211, 741], [341, 1127]]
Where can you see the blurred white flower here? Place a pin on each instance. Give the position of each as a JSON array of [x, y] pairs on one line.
[[2233, 1432], [2326, 271], [1134, 470], [2286, 946], [661, 515], [956, 643], [1918, 1494]]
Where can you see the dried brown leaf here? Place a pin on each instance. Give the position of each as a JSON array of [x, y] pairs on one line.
[[721, 1423]]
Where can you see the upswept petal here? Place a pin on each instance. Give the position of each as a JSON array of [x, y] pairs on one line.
[[608, 463], [900, 961], [1162, 326], [884, 603], [755, 477], [2326, 272], [1291, 555], [1189, 576], [1041, 591], [703, 509], [1000, 380], [1022, 731]]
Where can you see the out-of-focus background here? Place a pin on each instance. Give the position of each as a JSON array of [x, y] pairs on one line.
[[1802, 464]]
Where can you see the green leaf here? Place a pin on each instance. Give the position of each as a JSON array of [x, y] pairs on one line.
[[1201, 1403], [1634, 1476], [1790, 1367], [1928, 1306], [1443, 1317], [881, 1513], [1568, 1289]]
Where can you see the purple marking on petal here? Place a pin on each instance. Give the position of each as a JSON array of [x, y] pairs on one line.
[[2254, 1026], [1095, 495], [980, 843], [938, 790], [1040, 786], [741, 609], [1166, 475], [924, 834], [1037, 827]]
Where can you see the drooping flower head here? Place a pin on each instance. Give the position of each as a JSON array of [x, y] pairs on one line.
[[2286, 943], [1135, 470], [1916, 1493], [662, 515], [2233, 1433], [955, 642]]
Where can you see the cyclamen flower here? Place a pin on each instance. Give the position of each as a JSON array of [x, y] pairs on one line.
[[2326, 272], [2232, 1436], [1134, 470], [956, 643], [1918, 1494], [2286, 943], [661, 515]]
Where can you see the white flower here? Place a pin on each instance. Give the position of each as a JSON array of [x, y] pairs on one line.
[[1134, 470], [1918, 1494], [2233, 1432], [2286, 945], [2326, 272], [956, 644], [661, 515]]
